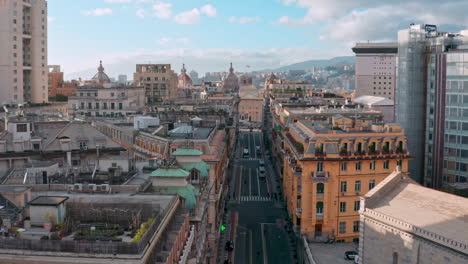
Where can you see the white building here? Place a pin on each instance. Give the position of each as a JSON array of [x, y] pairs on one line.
[[122, 79], [107, 101], [23, 51]]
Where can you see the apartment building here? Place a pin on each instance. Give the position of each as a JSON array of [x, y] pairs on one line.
[[376, 69], [327, 167], [108, 101], [159, 80], [23, 51], [56, 83]]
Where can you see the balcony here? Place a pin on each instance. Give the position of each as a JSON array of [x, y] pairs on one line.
[[345, 153], [320, 176], [319, 216], [359, 153], [320, 154], [27, 3], [401, 151], [320, 195], [298, 211]]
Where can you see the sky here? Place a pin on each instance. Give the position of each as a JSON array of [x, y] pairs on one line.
[[208, 34]]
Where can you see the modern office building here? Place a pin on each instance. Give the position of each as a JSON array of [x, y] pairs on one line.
[[376, 69], [23, 51], [159, 80], [446, 148], [412, 87], [328, 166]]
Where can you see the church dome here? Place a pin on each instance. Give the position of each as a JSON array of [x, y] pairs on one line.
[[184, 78], [101, 77]]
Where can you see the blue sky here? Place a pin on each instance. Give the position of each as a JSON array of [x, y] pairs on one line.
[[207, 35]]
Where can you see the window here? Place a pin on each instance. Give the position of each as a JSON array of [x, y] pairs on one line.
[[112, 94], [90, 106], [357, 186], [371, 184], [395, 258], [97, 105], [372, 165], [358, 166], [83, 145], [120, 106], [386, 164], [356, 226], [357, 205], [105, 106], [342, 207], [319, 208], [343, 186], [344, 166], [22, 128], [342, 227], [194, 175], [320, 166], [320, 187], [112, 105]]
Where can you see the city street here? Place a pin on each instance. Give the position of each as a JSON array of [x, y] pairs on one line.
[[260, 236]]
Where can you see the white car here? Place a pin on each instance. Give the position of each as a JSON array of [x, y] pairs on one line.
[[261, 162]]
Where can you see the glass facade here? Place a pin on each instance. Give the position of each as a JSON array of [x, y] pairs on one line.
[[446, 148]]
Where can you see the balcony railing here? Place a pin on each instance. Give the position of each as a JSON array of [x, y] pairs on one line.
[[298, 211], [345, 153], [320, 195], [320, 176], [297, 171], [359, 153], [319, 216]]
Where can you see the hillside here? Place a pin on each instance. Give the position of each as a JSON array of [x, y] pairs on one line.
[[337, 61]]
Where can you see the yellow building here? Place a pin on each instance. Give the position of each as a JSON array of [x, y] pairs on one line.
[[327, 167]]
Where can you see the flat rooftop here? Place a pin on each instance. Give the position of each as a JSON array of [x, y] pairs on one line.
[[48, 200], [13, 189], [441, 213]]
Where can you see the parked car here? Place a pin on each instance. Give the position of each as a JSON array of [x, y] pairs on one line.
[[229, 245], [261, 162], [246, 153], [261, 170], [351, 255]]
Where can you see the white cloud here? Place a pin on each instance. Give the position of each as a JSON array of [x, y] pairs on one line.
[[162, 10], [284, 20], [140, 13], [188, 17], [50, 19], [166, 41], [97, 12], [208, 10], [244, 20], [118, 1]]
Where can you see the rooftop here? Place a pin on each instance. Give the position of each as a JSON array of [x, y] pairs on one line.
[[438, 212], [187, 152], [13, 189], [49, 200]]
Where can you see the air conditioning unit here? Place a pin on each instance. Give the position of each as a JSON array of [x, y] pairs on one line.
[[78, 187], [71, 187], [92, 187], [84, 147]]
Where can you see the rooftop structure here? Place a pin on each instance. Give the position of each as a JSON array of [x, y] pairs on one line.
[[400, 217]]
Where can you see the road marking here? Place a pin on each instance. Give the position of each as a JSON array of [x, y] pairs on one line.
[[240, 183], [265, 257], [258, 183], [255, 199], [251, 250], [250, 182]]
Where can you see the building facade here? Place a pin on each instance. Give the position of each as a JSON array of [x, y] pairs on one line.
[[403, 222], [159, 80], [107, 101], [376, 69], [327, 167], [446, 156], [56, 84], [23, 51]]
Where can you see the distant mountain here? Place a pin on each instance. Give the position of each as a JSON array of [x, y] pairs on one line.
[[337, 61]]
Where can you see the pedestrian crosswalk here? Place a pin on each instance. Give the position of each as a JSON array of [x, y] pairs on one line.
[[254, 199], [246, 159]]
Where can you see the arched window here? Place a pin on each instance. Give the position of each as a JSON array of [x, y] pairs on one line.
[[319, 207], [320, 188], [395, 258]]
